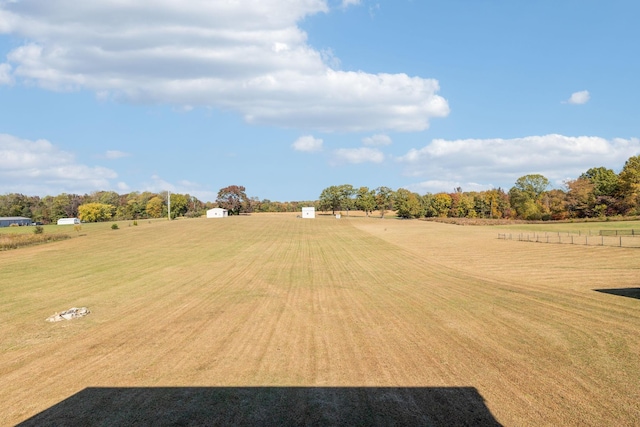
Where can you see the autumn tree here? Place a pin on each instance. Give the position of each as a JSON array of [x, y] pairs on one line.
[[155, 207], [256, 205], [580, 198], [232, 198], [408, 204], [441, 204], [556, 200], [492, 203], [605, 181], [526, 196], [196, 208], [630, 184], [462, 205], [606, 189], [135, 205], [15, 204], [483, 202], [95, 212], [179, 205], [64, 206], [106, 197]]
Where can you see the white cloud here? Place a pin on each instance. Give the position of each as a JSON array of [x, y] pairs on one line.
[[160, 185], [436, 186], [347, 3], [373, 9], [377, 140], [39, 167], [248, 56], [115, 154], [330, 59], [499, 162], [358, 155], [5, 74], [579, 98], [307, 143], [123, 187]]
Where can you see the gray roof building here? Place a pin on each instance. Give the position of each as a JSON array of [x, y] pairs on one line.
[[6, 221]]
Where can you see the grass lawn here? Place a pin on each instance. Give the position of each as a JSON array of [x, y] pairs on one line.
[[325, 321], [575, 227]]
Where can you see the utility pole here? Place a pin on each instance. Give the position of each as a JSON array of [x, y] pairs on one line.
[[169, 204]]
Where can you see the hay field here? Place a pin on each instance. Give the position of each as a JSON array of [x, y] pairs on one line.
[[411, 320]]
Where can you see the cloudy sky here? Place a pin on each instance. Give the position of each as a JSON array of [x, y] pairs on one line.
[[287, 97]]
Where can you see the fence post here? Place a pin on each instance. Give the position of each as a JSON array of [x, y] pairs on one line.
[[620, 241]]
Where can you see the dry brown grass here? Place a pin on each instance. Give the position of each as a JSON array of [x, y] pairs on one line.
[[15, 241], [366, 304]]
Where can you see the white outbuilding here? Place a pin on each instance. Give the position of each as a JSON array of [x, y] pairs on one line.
[[309, 212], [217, 213], [68, 221]]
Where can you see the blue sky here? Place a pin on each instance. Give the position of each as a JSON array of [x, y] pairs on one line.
[[287, 97]]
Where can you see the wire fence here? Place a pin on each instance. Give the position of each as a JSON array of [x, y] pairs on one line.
[[622, 239], [628, 232]]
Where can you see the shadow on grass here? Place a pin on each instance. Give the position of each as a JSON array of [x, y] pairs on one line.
[[277, 406], [622, 292]]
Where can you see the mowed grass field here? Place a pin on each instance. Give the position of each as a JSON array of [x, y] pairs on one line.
[[357, 320]]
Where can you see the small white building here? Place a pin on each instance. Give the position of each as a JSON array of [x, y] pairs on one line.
[[68, 221], [217, 213], [309, 212]]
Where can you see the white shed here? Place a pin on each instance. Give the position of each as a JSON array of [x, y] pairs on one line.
[[309, 212], [68, 221], [217, 213]]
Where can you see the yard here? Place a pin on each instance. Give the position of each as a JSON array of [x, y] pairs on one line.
[[324, 321]]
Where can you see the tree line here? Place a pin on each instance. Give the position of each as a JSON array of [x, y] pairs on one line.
[[99, 206], [598, 192], [111, 206], [408, 204]]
